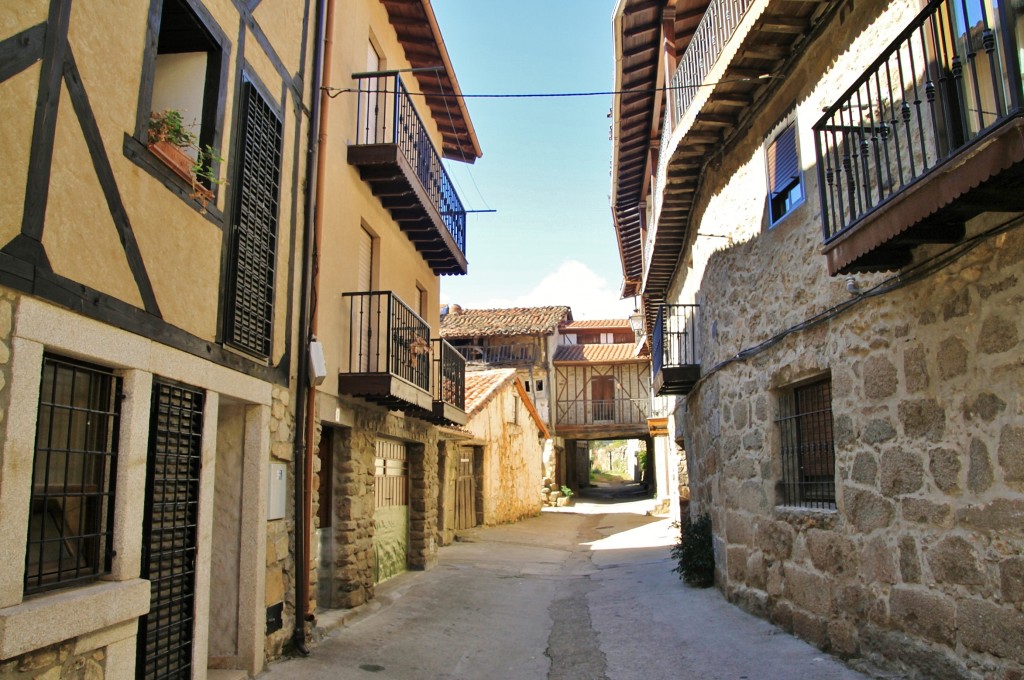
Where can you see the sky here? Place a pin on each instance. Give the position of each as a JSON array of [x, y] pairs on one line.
[[546, 161]]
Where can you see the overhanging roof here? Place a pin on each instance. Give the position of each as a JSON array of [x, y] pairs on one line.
[[417, 30]]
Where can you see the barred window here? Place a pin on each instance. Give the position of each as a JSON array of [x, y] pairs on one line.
[[808, 454], [71, 517], [253, 254]]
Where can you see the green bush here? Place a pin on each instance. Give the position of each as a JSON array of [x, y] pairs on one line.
[[694, 554]]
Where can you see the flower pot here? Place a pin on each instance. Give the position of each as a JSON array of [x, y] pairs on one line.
[[174, 158]]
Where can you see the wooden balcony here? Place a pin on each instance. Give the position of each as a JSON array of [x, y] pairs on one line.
[[709, 99], [449, 385], [928, 137], [614, 418], [388, 360], [674, 350], [499, 356], [396, 157]]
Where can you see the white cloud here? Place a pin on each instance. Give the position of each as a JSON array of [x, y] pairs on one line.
[[590, 295]]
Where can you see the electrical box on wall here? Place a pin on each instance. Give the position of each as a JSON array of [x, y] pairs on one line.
[[277, 491]]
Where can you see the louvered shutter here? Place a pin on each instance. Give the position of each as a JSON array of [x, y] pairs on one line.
[[254, 229], [365, 261], [783, 163]]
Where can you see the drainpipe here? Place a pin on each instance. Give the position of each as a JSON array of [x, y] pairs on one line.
[[305, 415]]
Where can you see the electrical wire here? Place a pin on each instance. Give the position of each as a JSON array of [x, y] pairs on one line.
[[913, 274], [333, 92]]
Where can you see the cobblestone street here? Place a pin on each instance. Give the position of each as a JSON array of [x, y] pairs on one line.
[[584, 593]]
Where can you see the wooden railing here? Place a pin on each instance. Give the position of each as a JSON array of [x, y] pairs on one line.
[[500, 354], [620, 411], [386, 115]]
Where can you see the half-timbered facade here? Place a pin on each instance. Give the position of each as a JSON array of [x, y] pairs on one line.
[[155, 152], [818, 204]]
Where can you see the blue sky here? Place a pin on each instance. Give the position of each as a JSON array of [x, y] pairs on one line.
[[545, 167]]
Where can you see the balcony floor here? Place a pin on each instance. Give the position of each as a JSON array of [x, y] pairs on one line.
[[676, 380], [394, 181], [389, 391], [448, 414]]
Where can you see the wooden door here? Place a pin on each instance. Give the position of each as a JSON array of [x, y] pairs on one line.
[[465, 490], [602, 398], [391, 508]]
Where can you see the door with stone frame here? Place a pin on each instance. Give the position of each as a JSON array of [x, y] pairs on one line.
[[391, 509]]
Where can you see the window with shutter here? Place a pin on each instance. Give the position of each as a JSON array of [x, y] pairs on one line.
[[785, 182], [250, 302]]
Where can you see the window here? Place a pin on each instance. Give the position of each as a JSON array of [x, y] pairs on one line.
[[538, 386], [186, 72], [526, 385], [72, 501], [785, 187], [588, 338], [808, 454], [250, 289]]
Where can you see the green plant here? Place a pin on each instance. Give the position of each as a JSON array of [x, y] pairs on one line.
[[566, 491], [694, 554], [169, 126]]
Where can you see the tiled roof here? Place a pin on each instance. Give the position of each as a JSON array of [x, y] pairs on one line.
[[595, 324], [482, 385], [470, 323], [598, 354]]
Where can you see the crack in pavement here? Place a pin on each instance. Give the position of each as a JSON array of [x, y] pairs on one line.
[[573, 646]]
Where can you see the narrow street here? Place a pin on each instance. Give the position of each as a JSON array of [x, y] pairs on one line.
[[581, 593]]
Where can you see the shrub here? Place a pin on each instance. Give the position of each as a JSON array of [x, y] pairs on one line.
[[694, 553]]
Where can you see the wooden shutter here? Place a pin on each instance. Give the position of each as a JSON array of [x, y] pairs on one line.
[[253, 254], [783, 162], [365, 261]]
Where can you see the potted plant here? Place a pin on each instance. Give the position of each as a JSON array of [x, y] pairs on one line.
[[169, 138]]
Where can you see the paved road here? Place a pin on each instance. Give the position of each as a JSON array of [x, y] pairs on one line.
[[584, 593]]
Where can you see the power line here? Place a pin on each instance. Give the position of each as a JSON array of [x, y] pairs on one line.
[[335, 91]]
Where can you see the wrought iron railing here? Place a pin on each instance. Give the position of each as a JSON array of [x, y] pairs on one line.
[[675, 337], [386, 115], [450, 374], [949, 77], [386, 336], [619, 411], [499, 354]]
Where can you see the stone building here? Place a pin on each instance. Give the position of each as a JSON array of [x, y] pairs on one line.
[[825, 237], [388, 223], [490, 473], [146, 291], [523, 338]]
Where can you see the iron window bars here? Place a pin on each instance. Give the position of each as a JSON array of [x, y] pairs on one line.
[[386, 115], [250, 297], [71, 519], [950, 76], [170, 531], [808, 451]]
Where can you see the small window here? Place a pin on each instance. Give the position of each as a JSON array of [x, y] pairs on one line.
[[785, 184], [72, 501], [539, 385], [808, 453], [526, 385]]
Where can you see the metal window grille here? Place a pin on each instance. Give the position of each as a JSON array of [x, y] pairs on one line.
[[254, 231], [808, 453], [72, 501], [169, 540]]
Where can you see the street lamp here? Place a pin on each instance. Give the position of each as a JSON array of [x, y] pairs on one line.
[[636, 322]]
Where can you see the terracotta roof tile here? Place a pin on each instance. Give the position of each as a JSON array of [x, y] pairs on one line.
[[594, 324], [482, 385], [599, 354], [470, 323]]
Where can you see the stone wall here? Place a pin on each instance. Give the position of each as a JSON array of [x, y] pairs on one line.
[[918, 567], [59, 662], [280, 580], [353, 567]]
